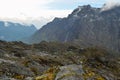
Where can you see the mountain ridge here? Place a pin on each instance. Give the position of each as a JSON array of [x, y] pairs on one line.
[[87, 26], [10, 31]]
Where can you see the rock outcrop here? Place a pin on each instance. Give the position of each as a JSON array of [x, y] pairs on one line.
[[56, 61]]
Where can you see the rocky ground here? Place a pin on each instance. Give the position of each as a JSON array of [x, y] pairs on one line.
[[56, 61]]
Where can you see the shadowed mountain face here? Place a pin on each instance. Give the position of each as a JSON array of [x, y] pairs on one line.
[[86, 26], [14, 31]]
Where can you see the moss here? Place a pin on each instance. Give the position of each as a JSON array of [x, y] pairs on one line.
[[34, 70], [88, 75], [45, 77], [1, 73], [99, 78], [25, 63], [66, 75], [19, 77], [91, 73], [50, 74]]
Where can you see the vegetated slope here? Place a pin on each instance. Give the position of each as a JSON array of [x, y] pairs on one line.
[[87, 26], [10, 31], [56, 61]]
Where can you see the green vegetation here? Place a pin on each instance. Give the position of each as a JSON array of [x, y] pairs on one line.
[[43, 61]]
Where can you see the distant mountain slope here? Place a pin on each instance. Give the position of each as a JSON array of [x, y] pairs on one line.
[[15, 31], [86, 26]]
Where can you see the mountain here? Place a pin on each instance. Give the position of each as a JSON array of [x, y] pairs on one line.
[[10, 31], [87, 26]]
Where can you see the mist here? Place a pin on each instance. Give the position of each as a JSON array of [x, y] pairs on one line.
[[37, 22], [110, 4]]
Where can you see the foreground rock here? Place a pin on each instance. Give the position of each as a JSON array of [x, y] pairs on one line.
[[70, 72]]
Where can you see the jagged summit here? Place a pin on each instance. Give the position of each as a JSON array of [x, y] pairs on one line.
[[83, 10], [85, 6]]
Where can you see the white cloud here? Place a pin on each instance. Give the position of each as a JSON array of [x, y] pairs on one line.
[[33, 8], [39, 19], [110, 4], [30, 11], [14, 8]]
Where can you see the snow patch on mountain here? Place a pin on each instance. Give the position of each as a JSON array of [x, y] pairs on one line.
[[6, 24], [78, 10]]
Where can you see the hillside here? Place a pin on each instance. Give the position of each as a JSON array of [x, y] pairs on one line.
[[56, 61]]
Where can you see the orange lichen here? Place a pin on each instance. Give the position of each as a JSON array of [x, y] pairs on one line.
[[20, 77], [100, 78]]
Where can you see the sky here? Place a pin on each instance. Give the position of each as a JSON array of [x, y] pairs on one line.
[[39, 12]]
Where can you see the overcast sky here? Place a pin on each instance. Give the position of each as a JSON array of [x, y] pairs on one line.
[[33, 10]]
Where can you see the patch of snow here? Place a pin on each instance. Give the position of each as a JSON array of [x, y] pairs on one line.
[[6, 24], [76, 13]]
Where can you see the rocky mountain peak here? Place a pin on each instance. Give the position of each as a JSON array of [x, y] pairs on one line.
[[84, 10], [87, 6], [87, 26]]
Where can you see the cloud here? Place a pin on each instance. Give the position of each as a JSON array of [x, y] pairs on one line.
[[35, 12], [110, 4], [38, 20], [13, 8], [32, 11]]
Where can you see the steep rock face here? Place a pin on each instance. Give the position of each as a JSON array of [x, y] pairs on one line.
[[86, 26], [14, 31]]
